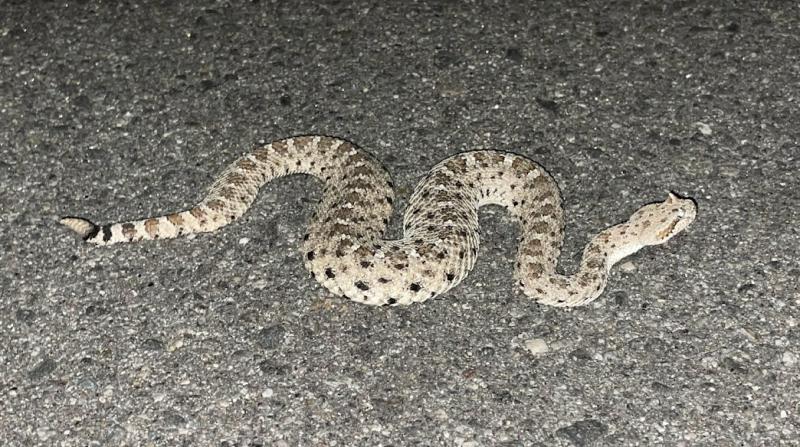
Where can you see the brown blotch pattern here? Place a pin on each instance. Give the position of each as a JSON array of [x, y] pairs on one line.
[[175, 219], [215, 205], [129, 230], [246, 165], [262, 155], [151, 227], [198, 213], [280, 147]]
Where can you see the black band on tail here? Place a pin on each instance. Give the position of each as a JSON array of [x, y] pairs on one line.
[[92, 233]]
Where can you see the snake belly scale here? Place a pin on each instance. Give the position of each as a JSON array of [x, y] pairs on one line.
[[344, 247]]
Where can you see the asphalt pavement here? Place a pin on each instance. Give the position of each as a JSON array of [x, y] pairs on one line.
[[117, 110]]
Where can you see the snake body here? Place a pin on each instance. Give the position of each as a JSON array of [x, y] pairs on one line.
[[344, 247]]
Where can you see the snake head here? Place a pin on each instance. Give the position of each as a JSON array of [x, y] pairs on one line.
[[658, 222]]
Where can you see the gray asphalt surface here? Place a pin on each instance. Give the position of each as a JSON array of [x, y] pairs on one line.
[[125, 110]]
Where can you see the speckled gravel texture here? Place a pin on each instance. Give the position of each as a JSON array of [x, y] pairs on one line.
[[117, 110]]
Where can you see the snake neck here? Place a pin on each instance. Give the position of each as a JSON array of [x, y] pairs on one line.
[[549, 287]]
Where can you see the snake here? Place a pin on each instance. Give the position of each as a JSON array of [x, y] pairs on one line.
[[344, 247]]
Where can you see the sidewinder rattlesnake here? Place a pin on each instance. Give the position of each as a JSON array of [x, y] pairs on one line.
[[344, 249]]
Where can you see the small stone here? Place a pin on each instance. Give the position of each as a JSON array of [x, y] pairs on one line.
[[45, 433], [536, 346], [704, 128], [124, 120], [259, 284], [174, 345], [628, 267], [789, 358], [728, 172]]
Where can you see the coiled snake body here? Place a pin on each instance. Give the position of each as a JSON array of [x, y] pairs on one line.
[[344, 249]]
